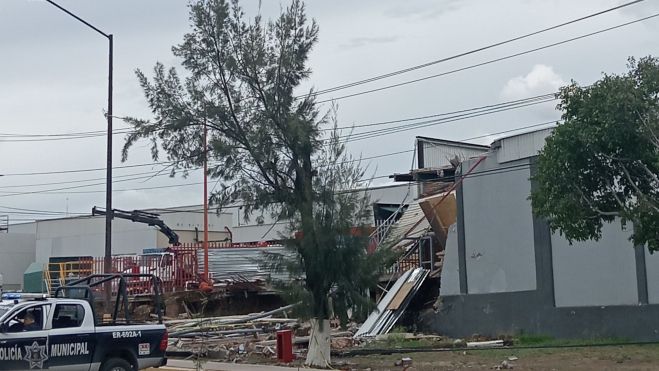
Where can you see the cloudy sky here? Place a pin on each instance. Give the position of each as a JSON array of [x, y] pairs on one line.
[[53, 81]]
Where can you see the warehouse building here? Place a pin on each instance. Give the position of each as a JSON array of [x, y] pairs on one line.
[[505, 272], [84, 236]]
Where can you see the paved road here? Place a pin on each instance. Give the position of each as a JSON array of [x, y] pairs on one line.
[[176, 365]]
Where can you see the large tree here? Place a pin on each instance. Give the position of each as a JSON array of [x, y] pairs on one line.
[[602, 162], [267, 147]]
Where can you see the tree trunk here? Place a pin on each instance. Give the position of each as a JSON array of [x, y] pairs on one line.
[[319, 344]]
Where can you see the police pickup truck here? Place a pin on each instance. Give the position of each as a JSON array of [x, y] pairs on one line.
[[58, 333]]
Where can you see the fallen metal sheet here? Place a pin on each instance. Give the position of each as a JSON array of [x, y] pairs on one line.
[[385, 316], [401, 295], [381, 308], [485, 344]]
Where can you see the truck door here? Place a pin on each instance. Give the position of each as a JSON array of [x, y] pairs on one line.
[[71, 341], [24, 339]]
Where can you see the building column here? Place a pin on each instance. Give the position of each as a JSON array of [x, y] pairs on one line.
[[641, 275], [462, 251], [544, 264]]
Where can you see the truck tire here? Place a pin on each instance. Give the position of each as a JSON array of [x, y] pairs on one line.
[[116, 364]]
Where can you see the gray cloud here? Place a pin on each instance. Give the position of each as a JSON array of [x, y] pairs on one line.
[[53, 75], [421, 10], [359, 42], [642, 9]]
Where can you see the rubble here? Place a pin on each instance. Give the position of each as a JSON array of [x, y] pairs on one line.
[[233, 338], [405, 363], [505, 365], [459, 343]]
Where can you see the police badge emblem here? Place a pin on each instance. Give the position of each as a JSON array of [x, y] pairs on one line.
[[35, 354]]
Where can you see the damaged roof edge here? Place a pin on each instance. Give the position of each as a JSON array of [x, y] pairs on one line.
[[453, 143]]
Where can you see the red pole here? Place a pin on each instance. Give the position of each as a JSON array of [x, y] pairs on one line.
[[206, 276]]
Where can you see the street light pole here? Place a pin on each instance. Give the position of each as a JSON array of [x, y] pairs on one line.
[[107, 266], [107, 262]]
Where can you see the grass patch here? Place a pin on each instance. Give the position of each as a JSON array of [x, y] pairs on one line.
[[544, 340], [528, 340], [404, 341]]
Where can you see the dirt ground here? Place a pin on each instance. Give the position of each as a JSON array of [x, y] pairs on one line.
[[628, 357]]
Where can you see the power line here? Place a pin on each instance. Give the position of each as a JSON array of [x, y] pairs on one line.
[[148, 175], [34, 210], [151, 174], [515, 102], [73, 181], [513, 130], [85, 170], [491, 61], [501, 170], [493, 105], [23, 138], [509, 104], [55, 191], [381, 132], [6, 194], [457, 115], [48, 135], [473, 51], [82, 135], [59, 191], [41, 214]]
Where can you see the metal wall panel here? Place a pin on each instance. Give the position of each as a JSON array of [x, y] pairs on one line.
[[436, 155], [521, 146], [242, 263]]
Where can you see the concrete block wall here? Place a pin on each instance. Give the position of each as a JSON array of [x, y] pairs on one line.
[[498, 227]]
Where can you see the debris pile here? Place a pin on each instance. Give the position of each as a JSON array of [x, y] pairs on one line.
[[233, 338]]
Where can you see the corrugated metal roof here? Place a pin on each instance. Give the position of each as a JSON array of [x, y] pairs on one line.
[[437, 153], [242, 262], [411, 225], [521, 145]]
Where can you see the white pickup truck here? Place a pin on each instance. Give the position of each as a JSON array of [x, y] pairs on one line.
[[62, 334]]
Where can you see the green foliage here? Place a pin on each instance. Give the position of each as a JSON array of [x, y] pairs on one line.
[[401, 341], [533, 339], [536, 340], [266, 145], [399, 330], [602, 163]]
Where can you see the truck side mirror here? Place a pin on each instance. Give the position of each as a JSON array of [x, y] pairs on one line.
[[4, 327]]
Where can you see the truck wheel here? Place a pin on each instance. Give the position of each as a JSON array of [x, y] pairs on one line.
[[116, 364]]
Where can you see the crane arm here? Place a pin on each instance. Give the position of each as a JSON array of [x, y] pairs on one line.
[[138, 216]]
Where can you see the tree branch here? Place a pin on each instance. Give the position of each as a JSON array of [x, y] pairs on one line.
[[638, 192], [594, 208], [237, 124]]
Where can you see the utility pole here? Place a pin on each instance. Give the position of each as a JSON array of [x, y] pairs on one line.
[[206, 275], [107, 262], [108, 186]]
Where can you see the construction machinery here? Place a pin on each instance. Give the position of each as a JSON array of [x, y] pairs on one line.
[[174, 266], [139, 216]]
